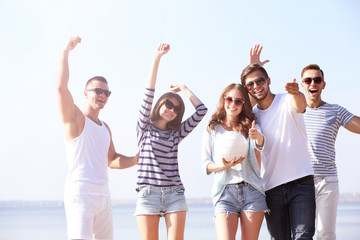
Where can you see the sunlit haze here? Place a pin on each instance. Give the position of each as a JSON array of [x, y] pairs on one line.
[[210, 43]]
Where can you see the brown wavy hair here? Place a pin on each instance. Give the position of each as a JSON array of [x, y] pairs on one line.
[[155, 113], [245, 117]]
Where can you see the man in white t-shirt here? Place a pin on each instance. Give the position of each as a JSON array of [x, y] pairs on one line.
[[288, 175], [90, 150], [323, 120]]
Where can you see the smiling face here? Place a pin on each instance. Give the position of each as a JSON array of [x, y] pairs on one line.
[[313, 90], [260, 88], [233, 107], [167, 114], [94, 100]]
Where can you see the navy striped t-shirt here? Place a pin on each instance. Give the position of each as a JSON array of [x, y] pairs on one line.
[[158, 163], [322, 126]]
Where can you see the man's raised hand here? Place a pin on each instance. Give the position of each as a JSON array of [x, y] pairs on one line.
[[255, 56], [73, 41]]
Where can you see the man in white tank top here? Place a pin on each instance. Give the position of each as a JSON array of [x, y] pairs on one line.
[[90, 150], [288, 175]]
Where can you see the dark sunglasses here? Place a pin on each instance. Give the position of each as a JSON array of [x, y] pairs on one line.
[[316, 80], [100, 91], [250, 85], [237, 102], [170, 105]]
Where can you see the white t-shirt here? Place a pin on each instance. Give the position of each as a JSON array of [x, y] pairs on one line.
[[285, 155]]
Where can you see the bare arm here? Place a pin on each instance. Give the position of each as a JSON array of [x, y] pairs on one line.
[[354, 125], [188, 93], [161, 50], [298, 101], [214, 167], [71, 115], [119, 161]]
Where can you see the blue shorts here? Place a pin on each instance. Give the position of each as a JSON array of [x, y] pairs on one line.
[[240, 197], [160, 200]]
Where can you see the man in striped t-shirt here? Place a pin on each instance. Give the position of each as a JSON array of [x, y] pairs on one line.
[[323, 121]]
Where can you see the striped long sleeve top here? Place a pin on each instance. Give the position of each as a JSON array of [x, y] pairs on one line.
[[158, 163]]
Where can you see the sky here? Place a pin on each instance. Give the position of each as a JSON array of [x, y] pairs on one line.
[[210, 43]]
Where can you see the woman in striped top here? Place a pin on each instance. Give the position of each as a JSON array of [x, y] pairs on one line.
[[159, 132]]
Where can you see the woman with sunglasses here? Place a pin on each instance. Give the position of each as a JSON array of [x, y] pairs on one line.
[[230, 151], [160, 190]]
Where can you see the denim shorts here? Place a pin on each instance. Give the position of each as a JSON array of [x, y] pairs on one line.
[[160, 200], [240, 197]]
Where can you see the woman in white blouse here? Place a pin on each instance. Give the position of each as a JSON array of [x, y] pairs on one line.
[[229, 150]]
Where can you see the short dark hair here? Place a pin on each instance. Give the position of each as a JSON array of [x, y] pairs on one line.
[[96, 78], [250, 69], [312, 67]]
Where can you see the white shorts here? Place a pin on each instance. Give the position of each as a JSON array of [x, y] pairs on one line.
[[89, 217]]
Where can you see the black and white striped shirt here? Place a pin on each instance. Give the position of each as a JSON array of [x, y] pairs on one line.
[[158, 163]]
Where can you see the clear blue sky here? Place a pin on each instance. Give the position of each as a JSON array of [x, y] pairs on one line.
[[210, 43]]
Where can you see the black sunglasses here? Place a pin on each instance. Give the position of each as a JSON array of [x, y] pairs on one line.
[[250, 85], [170, 105], [316, 80], [237, 102], [100, 91]]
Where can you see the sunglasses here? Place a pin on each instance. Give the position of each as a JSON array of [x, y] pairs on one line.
[[316, 80], [100, 91], [237, 102], [169, 105], [250, 85]]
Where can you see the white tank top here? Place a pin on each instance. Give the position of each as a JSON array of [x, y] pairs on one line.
[[87, 157]]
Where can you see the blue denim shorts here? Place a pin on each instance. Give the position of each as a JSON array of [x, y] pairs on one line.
[[160, 200], [240, 197]]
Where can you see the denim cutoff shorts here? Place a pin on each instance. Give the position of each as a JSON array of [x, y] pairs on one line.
[[240, 197], [160, 200]]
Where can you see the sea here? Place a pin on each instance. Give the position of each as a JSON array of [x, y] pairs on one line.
[[46, 220]]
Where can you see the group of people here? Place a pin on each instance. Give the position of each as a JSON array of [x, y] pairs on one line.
[[271, 154]]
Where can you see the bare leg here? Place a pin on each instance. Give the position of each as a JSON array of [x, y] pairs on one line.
[[148, 226], [226, 226], [175, 224], [251, 224]]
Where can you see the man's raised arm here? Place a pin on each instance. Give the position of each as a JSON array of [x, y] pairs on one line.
[[70, 113]]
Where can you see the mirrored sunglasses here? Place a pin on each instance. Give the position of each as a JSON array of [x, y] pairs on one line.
[[250, 85]]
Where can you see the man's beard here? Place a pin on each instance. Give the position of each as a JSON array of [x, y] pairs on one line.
[[262, 98]]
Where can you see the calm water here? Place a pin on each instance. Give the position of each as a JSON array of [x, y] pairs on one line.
[[49, 223]]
